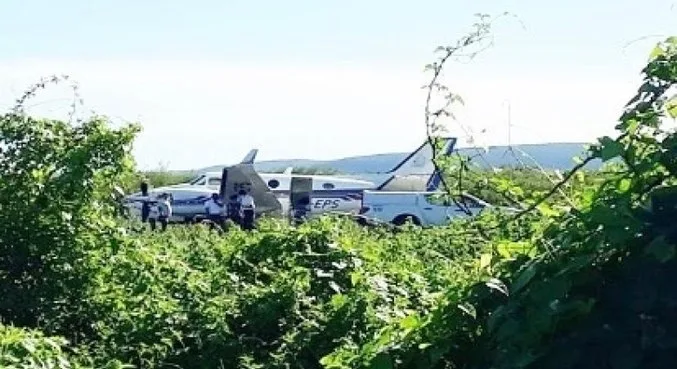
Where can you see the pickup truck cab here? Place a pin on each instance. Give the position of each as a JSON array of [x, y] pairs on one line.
[[421, 208]]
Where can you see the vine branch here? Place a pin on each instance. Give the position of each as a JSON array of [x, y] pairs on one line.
[[554, 189], [478, 35]]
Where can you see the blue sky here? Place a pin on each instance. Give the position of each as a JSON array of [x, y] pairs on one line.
[[209, 80]]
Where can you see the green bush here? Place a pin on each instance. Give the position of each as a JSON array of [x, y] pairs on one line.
[[57, 201], [25, 349], [280, 296]]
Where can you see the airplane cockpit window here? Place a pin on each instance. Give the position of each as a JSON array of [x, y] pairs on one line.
[[273, 183], [328, 186], [199, 181], [214, 181]]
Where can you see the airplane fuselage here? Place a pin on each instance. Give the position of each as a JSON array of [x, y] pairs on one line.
[[330, 193]]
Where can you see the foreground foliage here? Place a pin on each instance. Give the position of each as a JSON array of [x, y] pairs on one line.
[[594, 289], [24, 349]]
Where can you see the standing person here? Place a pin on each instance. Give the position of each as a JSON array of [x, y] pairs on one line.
[[164, 210], [300, 213], [215, 210], [145, 204], [152, 216], [248, 208], [234, 210]]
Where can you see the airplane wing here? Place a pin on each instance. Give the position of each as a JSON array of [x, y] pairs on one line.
[[244, 177]]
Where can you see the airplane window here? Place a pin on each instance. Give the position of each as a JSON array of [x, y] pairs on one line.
[[328, 186], [214, 181], [273, 183]]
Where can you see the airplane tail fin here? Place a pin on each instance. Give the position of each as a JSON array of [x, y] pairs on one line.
[[419, 162], [288, 171], [250, 157]]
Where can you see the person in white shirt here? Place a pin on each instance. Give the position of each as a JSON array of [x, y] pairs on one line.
[[248, 207], [215, 210], [164, 209]]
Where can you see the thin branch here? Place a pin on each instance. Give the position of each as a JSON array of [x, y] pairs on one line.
[[554, 189], [480, 34]]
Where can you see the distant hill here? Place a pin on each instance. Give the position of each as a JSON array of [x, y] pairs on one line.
[[550, 156]]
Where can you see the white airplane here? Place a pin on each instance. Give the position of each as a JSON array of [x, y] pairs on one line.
[[271, 191]]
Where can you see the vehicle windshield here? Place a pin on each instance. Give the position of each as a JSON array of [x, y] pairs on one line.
[[197, 180], [441, 199]]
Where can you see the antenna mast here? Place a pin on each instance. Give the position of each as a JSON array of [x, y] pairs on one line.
[[509, 125]]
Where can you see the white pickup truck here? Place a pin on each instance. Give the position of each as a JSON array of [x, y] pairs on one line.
[[421, 208]]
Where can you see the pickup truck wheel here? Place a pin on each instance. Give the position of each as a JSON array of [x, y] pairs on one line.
[[402, 219]]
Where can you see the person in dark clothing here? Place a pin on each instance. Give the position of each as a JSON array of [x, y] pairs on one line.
[[234, 210], [301, 211], [145, 205]]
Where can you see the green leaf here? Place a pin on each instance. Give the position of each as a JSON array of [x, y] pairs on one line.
[[624, 185], [546, 210], [356, 278], [337, 301], [524, 278], [410, 322], [660, 249], [671, 107], [610, 148], [510, 249], [485, 261]]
